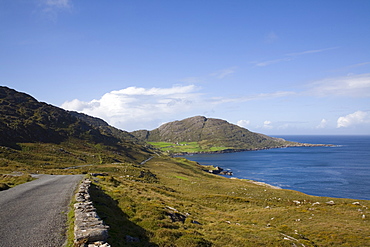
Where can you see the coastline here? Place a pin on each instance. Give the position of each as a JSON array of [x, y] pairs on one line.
[[236, 150], [216, 170], [339, 170], [259, 183]]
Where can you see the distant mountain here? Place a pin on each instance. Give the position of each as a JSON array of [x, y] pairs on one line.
[[211, 132], [23, 119]]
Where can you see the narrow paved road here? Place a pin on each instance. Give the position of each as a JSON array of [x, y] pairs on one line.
[[34, 214]]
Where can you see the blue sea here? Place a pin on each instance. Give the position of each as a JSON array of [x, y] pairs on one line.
[[341, 171]]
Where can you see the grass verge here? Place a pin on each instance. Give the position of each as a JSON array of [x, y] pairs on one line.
[[8, 180], [172, 202]]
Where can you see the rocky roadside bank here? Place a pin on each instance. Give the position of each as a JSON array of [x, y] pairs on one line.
[[89, 230]]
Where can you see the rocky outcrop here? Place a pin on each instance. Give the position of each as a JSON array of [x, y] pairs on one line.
[[89, 230], [220, 171]]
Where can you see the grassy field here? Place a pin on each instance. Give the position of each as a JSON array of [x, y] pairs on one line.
[[173, 202], [186, 147]]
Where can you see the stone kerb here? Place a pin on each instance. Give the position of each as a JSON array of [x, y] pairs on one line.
[[89, 230]]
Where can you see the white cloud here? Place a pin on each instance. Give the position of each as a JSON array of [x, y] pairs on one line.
[[350, 67], [310, 52], [220, 74], [224, 72], [353, 86], [51, 7], [261, 96], [133, 108], [290, 56], [322, 124], [58, 3], [243, 123], [269, 62], [267, 124], [356, 118]]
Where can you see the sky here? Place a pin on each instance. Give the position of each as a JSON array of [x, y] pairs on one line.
[[273, 67]]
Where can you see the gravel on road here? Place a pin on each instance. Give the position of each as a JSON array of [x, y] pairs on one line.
[[35, 213]]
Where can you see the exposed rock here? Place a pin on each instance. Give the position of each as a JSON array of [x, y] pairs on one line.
[[89, 228], [130, 239], [99, 244], [330, 203], [229, 173], [297, 202], [175, 215], [220, 171], [99, 174]]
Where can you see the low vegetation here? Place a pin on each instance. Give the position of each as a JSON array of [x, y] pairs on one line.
[[150, 199], [186, 147], [173, 202], [209, 135], [10, 180]]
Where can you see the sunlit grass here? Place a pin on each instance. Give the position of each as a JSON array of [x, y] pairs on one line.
[[229, 212], [186, 147], [10, 180], [137, 200]]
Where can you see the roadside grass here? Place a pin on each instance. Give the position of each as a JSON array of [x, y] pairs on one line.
[[8, 180], [70, 224], [52, 158], [224, 212]]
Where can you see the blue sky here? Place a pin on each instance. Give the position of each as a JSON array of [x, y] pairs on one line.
[[274, 67]]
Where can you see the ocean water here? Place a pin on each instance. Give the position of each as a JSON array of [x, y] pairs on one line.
[[342, 171]]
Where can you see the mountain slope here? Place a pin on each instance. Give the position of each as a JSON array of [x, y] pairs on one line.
[[106, 128], [210, 132], [25, 120]]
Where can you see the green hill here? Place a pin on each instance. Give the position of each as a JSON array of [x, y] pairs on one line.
[[168, 201], [26, 121], [207, 135]]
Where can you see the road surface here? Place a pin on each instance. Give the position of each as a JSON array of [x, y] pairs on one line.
[[34, 214]]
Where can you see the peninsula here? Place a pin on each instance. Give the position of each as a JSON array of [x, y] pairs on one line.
[[209, 135]]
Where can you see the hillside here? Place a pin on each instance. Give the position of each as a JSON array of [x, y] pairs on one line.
[[105, 128], [209, 133], [23, 119], [168, 201]]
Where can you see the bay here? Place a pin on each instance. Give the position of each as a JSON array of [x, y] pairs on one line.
[[341, 171]]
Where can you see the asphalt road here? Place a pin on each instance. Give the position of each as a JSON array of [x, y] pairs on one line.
[[34, 214]]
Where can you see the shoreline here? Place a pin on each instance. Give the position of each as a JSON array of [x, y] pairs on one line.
[[216, 170], [237, 150]]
